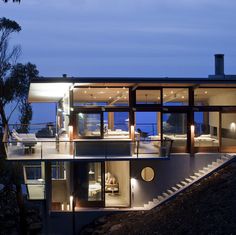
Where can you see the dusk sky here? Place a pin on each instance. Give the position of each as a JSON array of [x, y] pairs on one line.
[[125, 37]]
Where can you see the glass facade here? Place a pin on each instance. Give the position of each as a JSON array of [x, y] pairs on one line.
[[105, 96], [148, 97], [228, 129], [175, 128], [175, 96], [88, 124], [206, 129], [215, 97]]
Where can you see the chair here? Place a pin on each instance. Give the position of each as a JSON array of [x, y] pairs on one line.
[[143, 135], [28, 140]]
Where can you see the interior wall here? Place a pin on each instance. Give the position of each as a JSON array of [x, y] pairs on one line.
[[120, 169]]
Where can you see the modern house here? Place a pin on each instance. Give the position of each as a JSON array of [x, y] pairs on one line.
[[119, 142]]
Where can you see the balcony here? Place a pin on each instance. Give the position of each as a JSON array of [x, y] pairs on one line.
[[32, 147]]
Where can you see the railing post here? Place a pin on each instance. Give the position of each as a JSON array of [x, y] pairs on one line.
[[41, 152], [137, 148]]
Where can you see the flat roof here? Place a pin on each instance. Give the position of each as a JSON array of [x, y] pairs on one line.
[[52, 89]]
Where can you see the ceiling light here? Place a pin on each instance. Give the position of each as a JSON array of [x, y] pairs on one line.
[[109, 97], [171, 92], [106, 87], [205, 92], [123, 87], [165, 95], [118, 92], [182, 97], [85, 92]]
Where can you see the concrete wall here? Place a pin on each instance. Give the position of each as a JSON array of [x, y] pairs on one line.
[[167, 174]]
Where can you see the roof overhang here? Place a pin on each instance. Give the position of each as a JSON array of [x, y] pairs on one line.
[[48, 92]]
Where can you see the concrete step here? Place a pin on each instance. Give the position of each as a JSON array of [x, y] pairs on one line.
[[165, 195], [155, 200], [210, 166], [160, 198], [206, 168], [146, 206], [198, 174], [220, 161], [202, 171], [183, 183], [193, 177], [138, 208], [170, 191], [179, 185], [214, 164], [188, 180], [226, 157], [174, 188], [151, 203]]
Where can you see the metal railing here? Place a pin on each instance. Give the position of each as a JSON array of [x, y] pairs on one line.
[[87, 149], [48, 145]]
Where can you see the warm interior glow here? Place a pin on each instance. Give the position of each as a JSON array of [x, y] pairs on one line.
[[132, 132], [192, 129], [70, 132]]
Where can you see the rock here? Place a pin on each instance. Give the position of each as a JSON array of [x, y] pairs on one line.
[[115, 227], [35, 226], [1, 187]]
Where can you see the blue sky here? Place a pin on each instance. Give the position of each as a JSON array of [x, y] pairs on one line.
[[125, 37]]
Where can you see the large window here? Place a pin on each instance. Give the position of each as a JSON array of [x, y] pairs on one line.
[[148, 96], [206, 129], [175, 128], [106, 96], [116, 125], [88, 124], [215, 96], [175, 96]]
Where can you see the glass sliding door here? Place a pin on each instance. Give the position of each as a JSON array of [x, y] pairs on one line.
[[117, 184], [228, 132], [89, 184], [175, 128], [206, 130], [89, 125]]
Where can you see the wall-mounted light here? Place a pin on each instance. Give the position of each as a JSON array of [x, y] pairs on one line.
[[62, 207], [233, 126], [59, 110], [71, 202], [192, 128], [72, 109]]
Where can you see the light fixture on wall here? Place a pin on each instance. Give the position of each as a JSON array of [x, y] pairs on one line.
[[233, 126], [91, 172], [71, 202]]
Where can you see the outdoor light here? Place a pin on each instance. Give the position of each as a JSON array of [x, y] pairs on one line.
[[71, 109], [68, 207], [192, 128], [59, 110], [91, 172], [233, 126], [62, 207], [71, 202]]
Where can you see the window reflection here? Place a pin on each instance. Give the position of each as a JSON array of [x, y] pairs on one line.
[[95, 186]]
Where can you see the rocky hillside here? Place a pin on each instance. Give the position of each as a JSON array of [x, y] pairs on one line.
[[208, 207]]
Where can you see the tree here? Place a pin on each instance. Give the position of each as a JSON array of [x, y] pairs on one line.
[[14, 85], [12, 1], [8, 57]]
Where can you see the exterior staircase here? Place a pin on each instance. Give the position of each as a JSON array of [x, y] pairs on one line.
[[185, 183]]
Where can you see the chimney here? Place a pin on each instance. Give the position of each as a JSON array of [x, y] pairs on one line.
[[64, 75], [219, 64]]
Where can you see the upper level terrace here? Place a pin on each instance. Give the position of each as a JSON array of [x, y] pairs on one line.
[[44, 142]]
